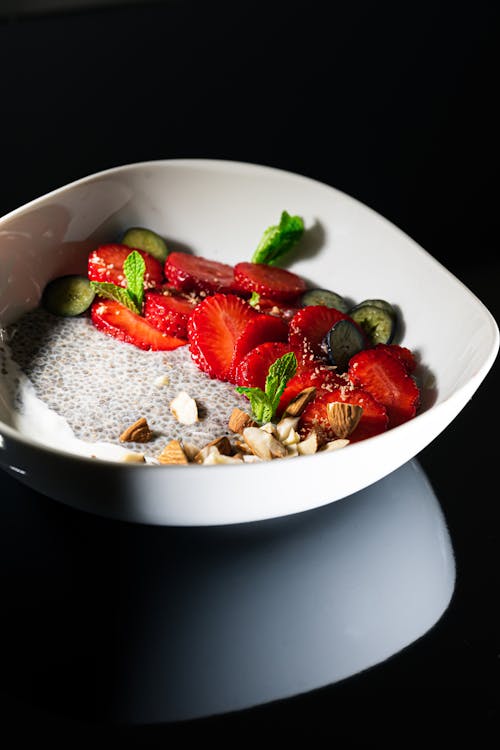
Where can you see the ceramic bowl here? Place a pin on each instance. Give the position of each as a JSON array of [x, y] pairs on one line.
[[218, 208]]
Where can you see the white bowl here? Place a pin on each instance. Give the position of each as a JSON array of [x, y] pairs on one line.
[[218, 209]]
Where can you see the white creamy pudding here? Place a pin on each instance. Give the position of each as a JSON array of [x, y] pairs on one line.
[[66, 385]]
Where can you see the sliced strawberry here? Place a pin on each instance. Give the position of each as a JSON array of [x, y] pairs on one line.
[[214, 327], [257, 331], [404, 355], [308, 329], [105, 263], [385, 377], [315, 375], [269, 281], [169, 311], [121, 323], [373, 419], [253, 368], [285, 310], [192, 273]]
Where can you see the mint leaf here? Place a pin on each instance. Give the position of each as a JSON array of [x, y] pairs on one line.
[[116, 293], [278, 240], [259, 401], [254, 299], [134, 269], [265, 403], [278, 376]]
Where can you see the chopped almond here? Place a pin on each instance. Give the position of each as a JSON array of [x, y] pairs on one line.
[[138, 432]]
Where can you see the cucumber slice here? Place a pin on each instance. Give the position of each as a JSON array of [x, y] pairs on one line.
[[381, 303], [324, 297], [147, 240], [68, 296], [343, 341], [377, 322]]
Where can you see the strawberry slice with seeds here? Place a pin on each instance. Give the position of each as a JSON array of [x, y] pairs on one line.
[[385, 377], [253, 368], [169, 311], [214, 327], [268, 281], [105, 263], [121, 323], [308, 329], [192, 273], [373, 418], [257, 331], [402, 353]]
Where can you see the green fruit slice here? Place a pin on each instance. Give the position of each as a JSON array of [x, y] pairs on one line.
[[68, 296], [147, 240], [377, 322]]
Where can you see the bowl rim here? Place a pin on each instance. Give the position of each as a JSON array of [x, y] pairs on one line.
[[235, 165]]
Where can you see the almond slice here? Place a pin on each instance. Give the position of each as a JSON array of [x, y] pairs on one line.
[[263, 444], [173, 454], [184, 408], [239, 420], [299, 403], [309, 446], [138, 432], [343, 417], [222, 444]]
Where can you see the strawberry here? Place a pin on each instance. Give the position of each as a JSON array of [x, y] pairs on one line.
[[191, 273], [121, 323], [253, 368], [404, 355], [308, 329], [105, 263], [385, 377], [214, 327], [315, 375], [268, 281], [257, 331], [373, 419], [281, 309], [169, 311]]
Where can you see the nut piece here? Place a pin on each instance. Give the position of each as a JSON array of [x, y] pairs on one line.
[[263, 444], [138, 432], [134, 458], [222, 444], [343, 417], [173, 454], [335, 445], [285, 426], [184, 408], [309, 446], [299, 403], [239, 420]]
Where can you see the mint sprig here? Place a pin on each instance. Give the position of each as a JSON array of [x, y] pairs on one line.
[[278, 240], [265, 402], [131, 296]]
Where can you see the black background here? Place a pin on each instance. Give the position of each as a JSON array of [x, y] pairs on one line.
[[394, 103]]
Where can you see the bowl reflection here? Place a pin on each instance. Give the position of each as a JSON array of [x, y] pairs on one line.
[[147, 624]]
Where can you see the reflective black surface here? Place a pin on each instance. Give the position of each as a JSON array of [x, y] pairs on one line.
[[394, 105]]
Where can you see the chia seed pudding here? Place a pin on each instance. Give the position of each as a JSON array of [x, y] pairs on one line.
[[100, 386]]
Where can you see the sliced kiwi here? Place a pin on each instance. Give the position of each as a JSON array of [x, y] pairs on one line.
[[68, 296], [147, 240]]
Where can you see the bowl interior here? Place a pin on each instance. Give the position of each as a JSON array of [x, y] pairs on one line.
[[219, 210]]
